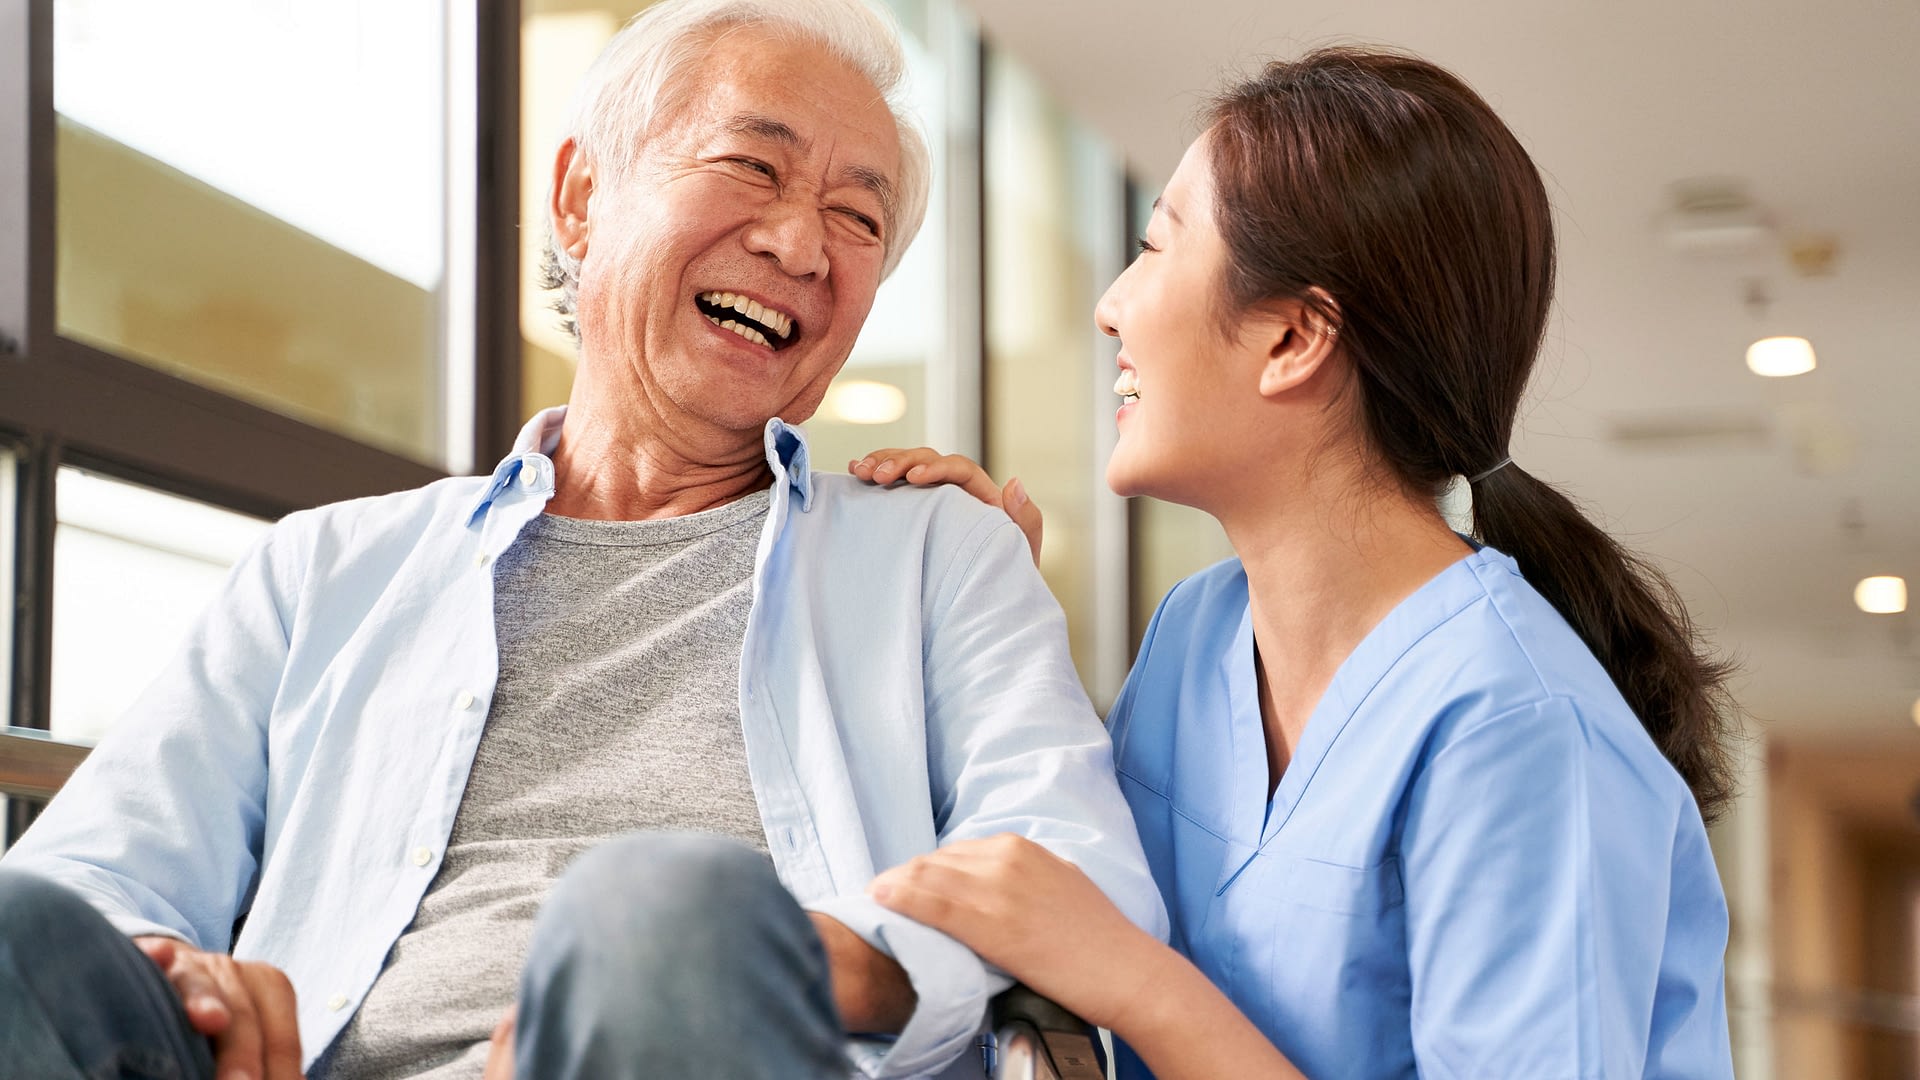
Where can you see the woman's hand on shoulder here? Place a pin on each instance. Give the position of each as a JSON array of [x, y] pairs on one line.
[[1032, 914], [926, 467]]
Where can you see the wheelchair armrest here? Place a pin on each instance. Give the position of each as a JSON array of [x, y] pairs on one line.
[[34, 764], [1035, 1039]]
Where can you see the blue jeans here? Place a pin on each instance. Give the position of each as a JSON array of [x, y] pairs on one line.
[[657, 954]]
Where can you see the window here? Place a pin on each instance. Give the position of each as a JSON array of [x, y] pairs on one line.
[[9, 518], [1055, 227], [253, 197], [132, 570]]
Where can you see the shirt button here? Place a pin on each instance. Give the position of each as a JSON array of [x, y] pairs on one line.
[[482, 559], [463, 701], [421, 856], [337, 1002], [530, 475]]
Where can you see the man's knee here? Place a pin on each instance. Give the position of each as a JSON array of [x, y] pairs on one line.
[[663, 897], [37, 915]]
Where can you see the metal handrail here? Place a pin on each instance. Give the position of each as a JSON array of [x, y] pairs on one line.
[[34, 763]]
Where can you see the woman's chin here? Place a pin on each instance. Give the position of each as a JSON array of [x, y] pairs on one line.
[[1126, 476]]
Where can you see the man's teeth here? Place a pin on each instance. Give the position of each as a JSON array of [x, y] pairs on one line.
[[747, 332], [765, 316], [1127, 385]]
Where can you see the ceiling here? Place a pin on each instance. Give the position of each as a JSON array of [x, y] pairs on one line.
[[1816, 108]]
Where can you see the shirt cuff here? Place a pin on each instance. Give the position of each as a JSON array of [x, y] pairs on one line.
[[951, 984]]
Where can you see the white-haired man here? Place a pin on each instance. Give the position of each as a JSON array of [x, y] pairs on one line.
[[431, 756]]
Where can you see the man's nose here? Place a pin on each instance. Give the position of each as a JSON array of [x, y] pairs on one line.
[[790, 230]]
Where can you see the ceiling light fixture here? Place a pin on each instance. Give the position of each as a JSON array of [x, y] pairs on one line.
[[1779, 357], [1775, 357], [1916, 712], [1882, 594]]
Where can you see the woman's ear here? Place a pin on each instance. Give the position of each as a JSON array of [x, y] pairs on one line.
[[1296, 340], [568, 198]]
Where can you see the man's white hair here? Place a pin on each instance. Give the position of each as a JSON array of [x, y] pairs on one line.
[[643, 74]]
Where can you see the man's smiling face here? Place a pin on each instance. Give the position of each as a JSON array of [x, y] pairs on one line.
[[761, 200]]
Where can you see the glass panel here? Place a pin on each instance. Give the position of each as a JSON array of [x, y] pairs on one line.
[[132, 569], [1170, 541], [252, 196], [880, 397], [1041, 289], [9, 526]]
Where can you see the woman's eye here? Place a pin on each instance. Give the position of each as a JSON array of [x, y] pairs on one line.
[[1145, 246]]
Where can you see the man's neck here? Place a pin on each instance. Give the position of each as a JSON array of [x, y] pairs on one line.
[[625, 464]]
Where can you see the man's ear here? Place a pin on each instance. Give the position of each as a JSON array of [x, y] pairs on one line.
[[1296, 341], [567, 199]]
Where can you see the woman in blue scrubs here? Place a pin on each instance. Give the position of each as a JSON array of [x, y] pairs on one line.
[[1418, 804]]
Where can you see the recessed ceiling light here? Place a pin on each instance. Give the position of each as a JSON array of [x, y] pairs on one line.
[[1778, 357], [1881, 595], [1916, 712], [862, 401]]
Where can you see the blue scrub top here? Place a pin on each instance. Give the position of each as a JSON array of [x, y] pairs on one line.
[[1477, 864]]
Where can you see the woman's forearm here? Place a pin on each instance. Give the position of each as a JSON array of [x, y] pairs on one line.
[[1188, 1030]]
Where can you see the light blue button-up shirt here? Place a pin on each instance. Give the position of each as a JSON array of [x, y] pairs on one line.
[[904, 682], [1476, 864]]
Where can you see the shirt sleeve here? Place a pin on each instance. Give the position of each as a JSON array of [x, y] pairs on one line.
[[1537, 864], [160, 828], [1013, 745]]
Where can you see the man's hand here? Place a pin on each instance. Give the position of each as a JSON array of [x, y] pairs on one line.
[[500, 1047], [246, 1008], [870, 988]]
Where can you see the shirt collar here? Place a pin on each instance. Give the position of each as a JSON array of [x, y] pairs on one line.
[[786, 455]]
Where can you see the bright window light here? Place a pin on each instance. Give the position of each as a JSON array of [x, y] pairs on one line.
[[132, 569], [1778, 357], [327, 116], [1881, 595]]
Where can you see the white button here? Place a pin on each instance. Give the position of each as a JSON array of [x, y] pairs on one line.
[[421, 856], [482, 559], [463, 701], [530, 475], [337, 1002]]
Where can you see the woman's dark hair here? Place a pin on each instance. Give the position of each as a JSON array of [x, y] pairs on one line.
[[1384, 183]]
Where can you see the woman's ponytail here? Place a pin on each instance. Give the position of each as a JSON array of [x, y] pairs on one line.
[[1629, 615]]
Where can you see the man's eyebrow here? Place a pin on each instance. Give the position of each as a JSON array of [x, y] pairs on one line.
[[1160, 203], [756, 126], [877, 182]]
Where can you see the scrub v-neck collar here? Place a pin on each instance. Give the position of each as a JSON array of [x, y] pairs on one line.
[[1255, 820]]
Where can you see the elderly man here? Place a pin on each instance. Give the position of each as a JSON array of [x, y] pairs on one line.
[[438, 753]]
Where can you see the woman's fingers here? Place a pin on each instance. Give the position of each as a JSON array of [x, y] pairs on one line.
[[1025, 513], [925, 467]]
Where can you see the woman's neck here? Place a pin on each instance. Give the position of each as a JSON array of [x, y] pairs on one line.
[[1325, 563]]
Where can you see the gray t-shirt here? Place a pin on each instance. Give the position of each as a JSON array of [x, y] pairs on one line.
[[617, 709]]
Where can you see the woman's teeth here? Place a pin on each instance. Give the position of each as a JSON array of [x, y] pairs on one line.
[[1127, 386]]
